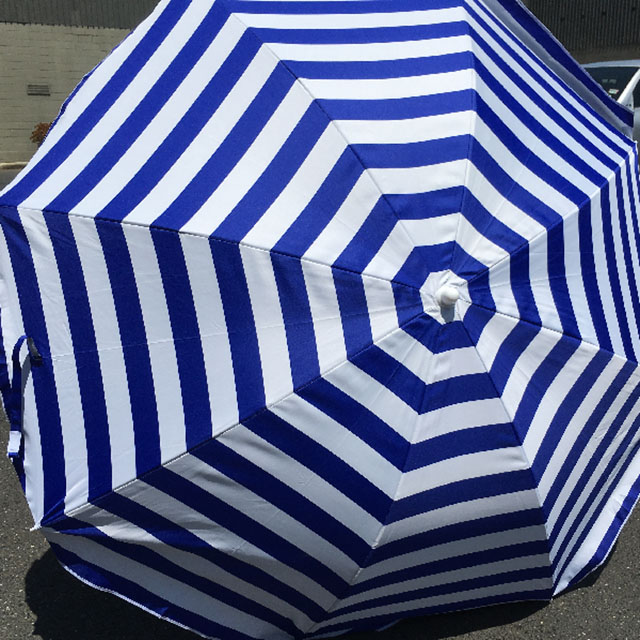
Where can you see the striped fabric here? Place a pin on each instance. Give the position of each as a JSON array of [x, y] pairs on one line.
[[332, 311]]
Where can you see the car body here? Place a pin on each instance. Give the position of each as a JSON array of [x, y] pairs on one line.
[[621, 80]]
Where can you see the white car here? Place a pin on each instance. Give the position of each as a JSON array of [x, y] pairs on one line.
[[621, 80]]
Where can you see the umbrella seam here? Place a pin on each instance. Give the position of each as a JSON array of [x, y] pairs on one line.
[[376, 542], [95, 501], [524, 454], [576, 211], [212, 239]]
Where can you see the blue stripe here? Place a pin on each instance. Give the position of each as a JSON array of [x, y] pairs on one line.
[[625, 453], [589, 276], [559, 53], [566, 411], [362, 35], [143, 113], [366, 243], [485, 582], [276, 493], [321, 461], [353, 311], [323, 206], [460, 491], [157, 562], [174, 535], [590, 471], [358, 420], [374, 622], [298, 321], [106, 580], [191, 124], [459, 531], [459, 443], [467, 560], [378, 69], [413, 154], [540, 382], [423, 261], [282, 168], [241, 328], [186, 336], [137, 360], [534, 125], [216, 510], [229, 153], [48, 411], [419, 206], [613, 273], [105, 99], [346, 7], [87, 360], [509, 68], [584, 437], [510, 350], [401, 108]]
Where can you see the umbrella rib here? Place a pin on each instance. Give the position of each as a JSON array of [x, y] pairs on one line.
[[189, 451]]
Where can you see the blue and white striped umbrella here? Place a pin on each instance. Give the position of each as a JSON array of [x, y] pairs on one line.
[[321, 314]]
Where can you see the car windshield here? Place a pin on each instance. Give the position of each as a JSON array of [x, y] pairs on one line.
[[612, 79]]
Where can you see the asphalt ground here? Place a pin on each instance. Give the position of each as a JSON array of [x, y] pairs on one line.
[[39, 600], [6, 176]]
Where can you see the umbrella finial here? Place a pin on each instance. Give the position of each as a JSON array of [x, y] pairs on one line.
[[447, 296]]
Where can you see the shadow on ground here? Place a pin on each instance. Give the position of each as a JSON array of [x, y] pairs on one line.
[[67, 609]]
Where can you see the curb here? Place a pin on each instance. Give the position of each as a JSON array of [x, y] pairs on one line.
[[12, 166]]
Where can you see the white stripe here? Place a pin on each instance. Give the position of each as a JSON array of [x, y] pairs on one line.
[[473, 465], [174, 591], [342, 443], [128, 100], [269, 323], [571, 432], [264, 513], [204, 145], [467, 597], [110, 351], [381, 304], [346, 223], [159, 337], [319, 162], [462, 512], [163, 124], [453, 549], [63, 359], [253, 164], [420, 179], [129, 533], [300, 478], [581, 464], [443, 578], [456, 417], [370, 51], [213, 332], [325, 311], [374, 396], [220, 538], [406, 131], [344, 21], [390, 88], [33, 468]]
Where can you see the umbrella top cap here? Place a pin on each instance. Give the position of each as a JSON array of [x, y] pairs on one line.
[[447, 296]]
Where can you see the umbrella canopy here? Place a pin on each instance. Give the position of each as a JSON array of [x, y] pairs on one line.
[[317, 315]]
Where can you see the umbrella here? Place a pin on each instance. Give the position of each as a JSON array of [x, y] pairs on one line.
[[318, 315]]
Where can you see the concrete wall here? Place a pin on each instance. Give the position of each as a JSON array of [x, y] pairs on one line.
[[42, 55]]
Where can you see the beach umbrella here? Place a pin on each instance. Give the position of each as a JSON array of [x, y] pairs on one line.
[[318, 315]]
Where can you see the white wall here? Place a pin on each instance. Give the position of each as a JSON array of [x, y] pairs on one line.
[[39, 54]]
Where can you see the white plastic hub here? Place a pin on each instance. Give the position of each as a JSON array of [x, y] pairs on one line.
[[447, 296]]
